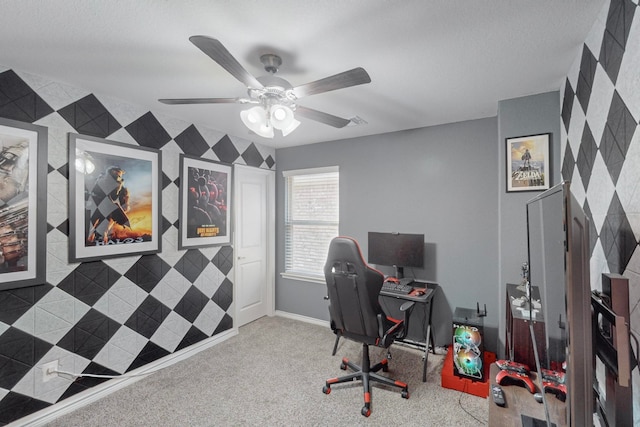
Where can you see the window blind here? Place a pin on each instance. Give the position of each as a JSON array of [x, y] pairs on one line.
[[311, 219]]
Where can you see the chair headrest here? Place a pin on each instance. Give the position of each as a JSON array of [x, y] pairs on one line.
[[345, 249]]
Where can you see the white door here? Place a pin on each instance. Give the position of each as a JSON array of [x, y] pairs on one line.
[[254, 243]]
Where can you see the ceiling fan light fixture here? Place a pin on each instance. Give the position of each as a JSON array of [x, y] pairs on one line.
[[253, 117], [256, 120], [84, 162], [276, 97], [265, 131], [292, 126], [282, 117], [279, 113]]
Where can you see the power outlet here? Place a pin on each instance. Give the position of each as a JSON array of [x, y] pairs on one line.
[[49, 370]]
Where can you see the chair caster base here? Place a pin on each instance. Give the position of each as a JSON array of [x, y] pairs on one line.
[[366, 411]]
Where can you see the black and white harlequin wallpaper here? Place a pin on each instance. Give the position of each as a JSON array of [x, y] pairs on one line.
[[601, 147], [112, 316]]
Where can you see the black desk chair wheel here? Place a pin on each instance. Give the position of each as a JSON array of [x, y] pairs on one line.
[[356, 314]]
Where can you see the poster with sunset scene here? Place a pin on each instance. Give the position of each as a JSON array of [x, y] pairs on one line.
[[528, 163], [114, 198]]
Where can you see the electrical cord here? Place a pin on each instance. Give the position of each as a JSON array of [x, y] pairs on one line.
[[464, 390], [74, 376]]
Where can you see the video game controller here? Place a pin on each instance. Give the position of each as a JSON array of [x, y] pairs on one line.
[[514, 373], [510, 365], [553, 382]]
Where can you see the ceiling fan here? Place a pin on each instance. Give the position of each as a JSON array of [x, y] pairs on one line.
[[275, 99]]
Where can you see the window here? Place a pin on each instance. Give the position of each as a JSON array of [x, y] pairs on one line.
[[311, 220]]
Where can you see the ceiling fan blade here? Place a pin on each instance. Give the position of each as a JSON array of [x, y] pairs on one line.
[[176, 101], [319, 116], [216, 51], [354, 77]]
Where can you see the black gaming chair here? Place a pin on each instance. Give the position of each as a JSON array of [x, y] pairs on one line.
[[353, 289]]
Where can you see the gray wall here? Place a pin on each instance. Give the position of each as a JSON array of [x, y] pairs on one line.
[[447, 182], [520, 117], [441, 181]]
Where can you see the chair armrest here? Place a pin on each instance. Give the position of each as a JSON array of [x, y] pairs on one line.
[[391, 334], [406, 308], [398, 329]]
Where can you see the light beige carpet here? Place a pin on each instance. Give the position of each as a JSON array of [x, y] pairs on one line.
[[272, 374]]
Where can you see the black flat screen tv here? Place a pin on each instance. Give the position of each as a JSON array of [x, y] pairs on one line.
[[398, 250]]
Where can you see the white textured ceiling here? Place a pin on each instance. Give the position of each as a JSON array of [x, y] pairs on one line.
[[430, 61]]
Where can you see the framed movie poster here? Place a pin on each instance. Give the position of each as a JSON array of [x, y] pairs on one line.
[[114, 199], [23, 204], [528, 163], [205, 203]]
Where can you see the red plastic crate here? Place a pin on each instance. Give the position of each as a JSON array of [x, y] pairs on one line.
[[477, 388]]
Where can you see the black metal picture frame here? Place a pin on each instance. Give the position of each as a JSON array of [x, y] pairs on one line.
[[23, 204], [528, 164], [205, 203], [114, 199]]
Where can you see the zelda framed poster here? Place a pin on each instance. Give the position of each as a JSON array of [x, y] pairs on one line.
[[528, 163]]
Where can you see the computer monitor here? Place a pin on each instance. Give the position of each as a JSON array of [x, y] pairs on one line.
[[398, 250]]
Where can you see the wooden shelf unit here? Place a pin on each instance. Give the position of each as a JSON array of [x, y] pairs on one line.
[[518, 343]]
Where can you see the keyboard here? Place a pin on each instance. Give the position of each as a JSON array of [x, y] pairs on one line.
[[401, 288]]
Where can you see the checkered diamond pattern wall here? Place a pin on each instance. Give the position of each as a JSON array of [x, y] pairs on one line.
[[601, 147], [112, 316]]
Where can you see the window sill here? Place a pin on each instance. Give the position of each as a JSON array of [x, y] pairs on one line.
[[303, 278]]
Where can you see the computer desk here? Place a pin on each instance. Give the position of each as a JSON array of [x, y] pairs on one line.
[[391, 303]]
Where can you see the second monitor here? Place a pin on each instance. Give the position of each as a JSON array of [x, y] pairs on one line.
[[397, 250]]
